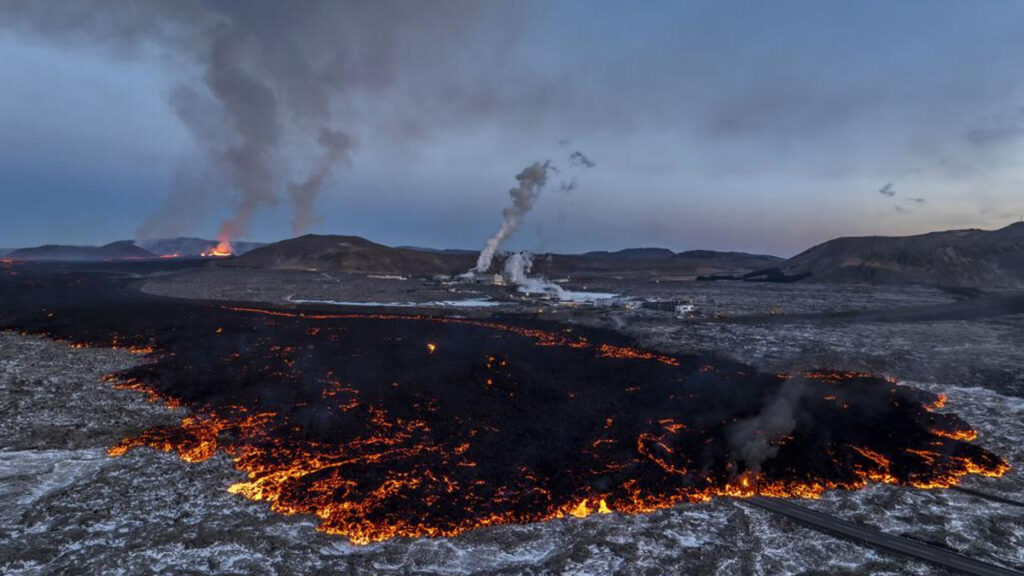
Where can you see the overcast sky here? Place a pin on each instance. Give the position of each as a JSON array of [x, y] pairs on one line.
[[756, 126]]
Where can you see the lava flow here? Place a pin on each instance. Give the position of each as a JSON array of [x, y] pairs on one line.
[[385, 426], [223, 249]]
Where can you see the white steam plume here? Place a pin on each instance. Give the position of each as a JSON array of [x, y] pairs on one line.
[[531, 181]]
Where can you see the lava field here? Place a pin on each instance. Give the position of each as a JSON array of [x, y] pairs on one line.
[[404, 425]]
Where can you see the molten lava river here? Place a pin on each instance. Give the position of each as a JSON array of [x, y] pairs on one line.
[[386, 425]]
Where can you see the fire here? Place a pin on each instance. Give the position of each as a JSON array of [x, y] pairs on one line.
[[222, 250], [581, 510], [431, 347], [939, 402], [967, 435]]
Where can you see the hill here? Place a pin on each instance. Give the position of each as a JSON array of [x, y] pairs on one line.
[[114, 251], [191, 246], [653, 263], [351, 253], [956, 258], [632, 254], [355, 254]]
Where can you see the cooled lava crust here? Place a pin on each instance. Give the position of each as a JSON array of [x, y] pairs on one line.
[[385, 425]]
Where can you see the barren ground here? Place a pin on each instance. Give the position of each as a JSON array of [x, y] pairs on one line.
[[70, 509]]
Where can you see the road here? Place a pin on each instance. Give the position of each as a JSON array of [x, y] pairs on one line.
[[871, 536]]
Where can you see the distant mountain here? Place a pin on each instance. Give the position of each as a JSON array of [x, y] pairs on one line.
[[633, 254], [351, 253], [957, 258], [191, 246], [113, 251], [457, 251], [654, 263]]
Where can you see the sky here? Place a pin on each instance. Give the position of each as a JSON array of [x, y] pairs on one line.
[[758, 126]]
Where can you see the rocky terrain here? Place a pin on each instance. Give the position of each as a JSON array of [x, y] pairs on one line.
[[351, 254], [113, 251], [71, 509], [355, 254], [960, 258]]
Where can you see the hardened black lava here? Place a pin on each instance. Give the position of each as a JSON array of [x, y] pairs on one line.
[[385, 425]]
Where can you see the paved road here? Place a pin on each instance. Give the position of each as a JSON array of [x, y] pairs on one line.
[[825, 523]]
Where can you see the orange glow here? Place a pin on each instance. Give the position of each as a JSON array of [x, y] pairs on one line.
[[968, 435], [316, 478], [222, 250], [939, 402]]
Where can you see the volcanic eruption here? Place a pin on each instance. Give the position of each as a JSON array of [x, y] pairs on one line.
[[386, 425]]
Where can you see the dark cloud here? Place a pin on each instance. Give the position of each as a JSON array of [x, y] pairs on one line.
[[998, 129], [887, 190], [578, 158]]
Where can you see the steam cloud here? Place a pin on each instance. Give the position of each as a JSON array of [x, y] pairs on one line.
[[517, 271], [531, 181]]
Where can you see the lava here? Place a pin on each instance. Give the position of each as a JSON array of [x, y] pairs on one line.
[[385, 426], [223, 249]]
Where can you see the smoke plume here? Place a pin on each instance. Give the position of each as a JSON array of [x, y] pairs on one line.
[[262, 82], [755, 439], [531, 181], [336, 145]]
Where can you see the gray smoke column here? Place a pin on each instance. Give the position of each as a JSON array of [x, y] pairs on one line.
[[531, 181], [336, 145], [260, 82], [252, 109], [755, 439]]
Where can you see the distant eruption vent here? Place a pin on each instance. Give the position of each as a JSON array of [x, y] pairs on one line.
[[221, 250]]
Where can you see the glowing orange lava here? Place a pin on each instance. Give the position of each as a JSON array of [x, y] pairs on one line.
[[223, 249], [413, 461]]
